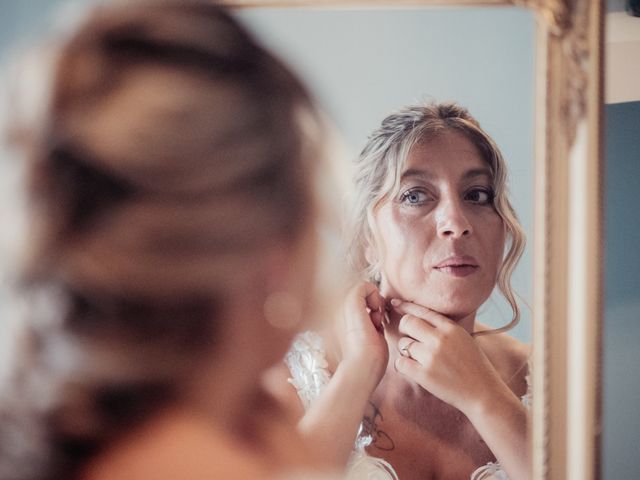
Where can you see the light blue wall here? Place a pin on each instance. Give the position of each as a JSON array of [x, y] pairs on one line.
[[621, 397], [23, 21], [616, 5], [366, 64]]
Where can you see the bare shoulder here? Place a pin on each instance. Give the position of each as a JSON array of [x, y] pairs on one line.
[[150, 452], [510, 358], [329, 344]]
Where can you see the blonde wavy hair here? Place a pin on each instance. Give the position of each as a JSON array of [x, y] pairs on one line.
[[377, 176]]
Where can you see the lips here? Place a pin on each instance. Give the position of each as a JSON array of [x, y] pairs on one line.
[[458, 266]]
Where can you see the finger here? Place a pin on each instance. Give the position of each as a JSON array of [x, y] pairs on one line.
[[366, 294], [359, 311], [434, 318], [411, 348], [374, 300], [408, 367], [417, 328], [377, 319]]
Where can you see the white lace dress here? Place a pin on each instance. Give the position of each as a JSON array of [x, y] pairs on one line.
[[307, 363]]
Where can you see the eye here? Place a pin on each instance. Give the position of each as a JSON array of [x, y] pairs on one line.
[[479, 196], [414, 197]]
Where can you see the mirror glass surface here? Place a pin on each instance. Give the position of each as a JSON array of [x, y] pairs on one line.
[[621, 424], [363, 64], [621, 356]]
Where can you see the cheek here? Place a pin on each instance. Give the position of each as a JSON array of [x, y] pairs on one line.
[[493, 242], [397, 237], [403, 243]]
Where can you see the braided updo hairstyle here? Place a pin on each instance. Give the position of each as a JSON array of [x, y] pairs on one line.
[[171, 151]]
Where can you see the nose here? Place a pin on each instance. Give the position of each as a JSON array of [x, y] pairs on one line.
[[451, 221]]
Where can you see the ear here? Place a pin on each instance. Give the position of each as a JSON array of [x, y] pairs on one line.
[[373, 257], [370, 254]]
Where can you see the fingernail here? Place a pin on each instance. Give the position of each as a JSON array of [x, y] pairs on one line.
[[386, 318], [395, 302]]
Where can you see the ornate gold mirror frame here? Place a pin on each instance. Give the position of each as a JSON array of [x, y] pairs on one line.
[[567, 306]]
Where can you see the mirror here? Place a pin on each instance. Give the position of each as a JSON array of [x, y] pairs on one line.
[[397, 59], [548, 109]]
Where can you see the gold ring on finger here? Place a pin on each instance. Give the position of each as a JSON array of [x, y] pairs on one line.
[[405, 352]]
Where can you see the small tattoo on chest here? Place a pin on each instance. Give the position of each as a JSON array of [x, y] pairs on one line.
[[371, 426]]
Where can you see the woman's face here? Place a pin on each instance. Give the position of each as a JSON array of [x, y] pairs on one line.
[[439, 240]]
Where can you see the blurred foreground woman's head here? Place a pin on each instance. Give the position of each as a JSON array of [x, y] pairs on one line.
[[172, 192]]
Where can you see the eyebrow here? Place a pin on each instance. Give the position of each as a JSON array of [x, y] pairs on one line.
[[425, 175]]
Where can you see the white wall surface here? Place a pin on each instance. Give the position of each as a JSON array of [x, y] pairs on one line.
[[622, 58]]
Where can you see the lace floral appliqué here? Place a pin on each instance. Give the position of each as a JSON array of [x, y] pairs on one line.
[[307, 362], [364, 466]]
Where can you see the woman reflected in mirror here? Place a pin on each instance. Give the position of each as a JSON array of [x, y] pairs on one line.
[[408, 375]]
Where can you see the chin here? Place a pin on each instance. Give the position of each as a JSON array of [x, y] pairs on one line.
[[454, 313], [458, 315], [454, 308]]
